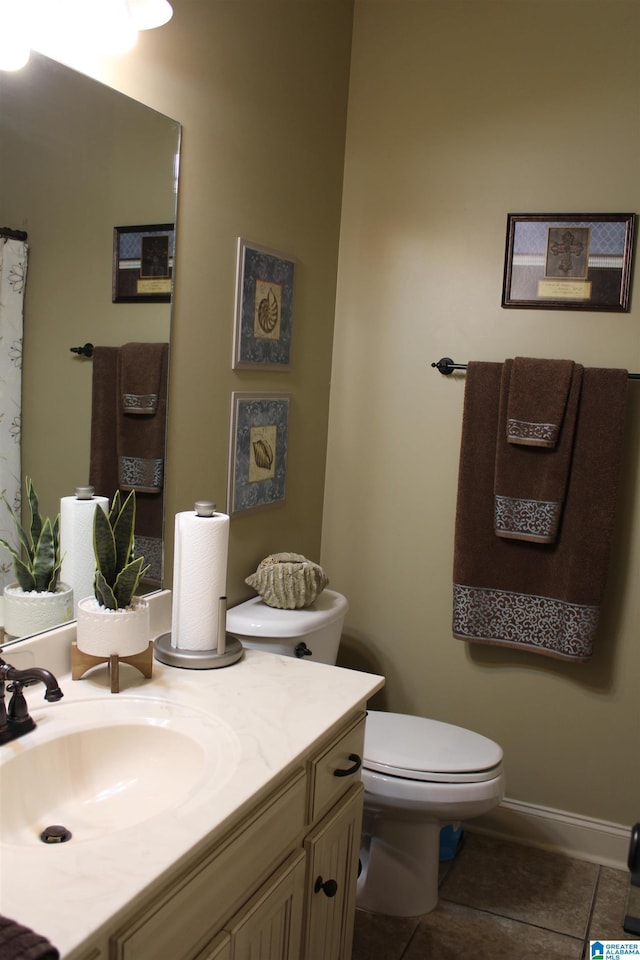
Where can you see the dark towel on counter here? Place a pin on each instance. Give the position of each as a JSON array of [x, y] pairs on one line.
[[539, 597], [538, 396], [531, 479], [21, 943]]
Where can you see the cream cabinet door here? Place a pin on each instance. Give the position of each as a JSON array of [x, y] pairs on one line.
[[332, 871], [270, 926], [219, 949]]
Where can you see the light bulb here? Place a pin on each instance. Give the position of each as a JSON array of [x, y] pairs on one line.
[[14, 45], [149, 14]]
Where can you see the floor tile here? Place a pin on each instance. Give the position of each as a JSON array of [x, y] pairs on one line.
[[609, 906], [377, 937], [523, 883], [454, 932]]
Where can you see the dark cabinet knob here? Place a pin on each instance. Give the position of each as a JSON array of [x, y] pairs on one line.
[[328, 887]]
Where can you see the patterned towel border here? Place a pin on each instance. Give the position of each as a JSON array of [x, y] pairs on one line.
[[521, 620]]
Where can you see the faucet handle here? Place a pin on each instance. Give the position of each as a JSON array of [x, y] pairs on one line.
[[17, 711]]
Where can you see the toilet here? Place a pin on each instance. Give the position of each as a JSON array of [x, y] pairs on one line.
[[419, 775], [313, 632]]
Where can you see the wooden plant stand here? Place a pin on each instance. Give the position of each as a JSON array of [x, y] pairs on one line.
[[81, 662]]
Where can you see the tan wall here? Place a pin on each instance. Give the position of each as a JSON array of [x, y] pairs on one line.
[[460, 113], [260, 90]]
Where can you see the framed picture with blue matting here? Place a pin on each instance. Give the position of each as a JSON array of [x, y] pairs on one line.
[[257, 451], [263, 308]]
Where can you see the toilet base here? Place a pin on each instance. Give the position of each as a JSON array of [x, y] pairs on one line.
[[400, 868]]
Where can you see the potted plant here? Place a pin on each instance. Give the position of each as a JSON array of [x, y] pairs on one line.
[[115, 620], [39, 600]]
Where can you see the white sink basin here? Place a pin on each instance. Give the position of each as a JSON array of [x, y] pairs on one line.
[[100, 766]]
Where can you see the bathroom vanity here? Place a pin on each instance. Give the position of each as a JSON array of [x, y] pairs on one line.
[[240, 839]]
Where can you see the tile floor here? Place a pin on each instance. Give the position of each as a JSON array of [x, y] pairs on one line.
[[504, 901]]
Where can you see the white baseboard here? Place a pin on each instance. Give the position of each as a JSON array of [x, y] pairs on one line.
[[581, 837]]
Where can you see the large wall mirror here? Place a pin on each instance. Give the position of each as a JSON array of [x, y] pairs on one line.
[[77, 159]]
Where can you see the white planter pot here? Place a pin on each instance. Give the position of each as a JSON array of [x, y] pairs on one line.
[[33, 612], [102, 632]]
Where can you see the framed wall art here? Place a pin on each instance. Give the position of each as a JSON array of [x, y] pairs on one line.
[[257, 451], [568, 261], [263, 308], [143, 263]]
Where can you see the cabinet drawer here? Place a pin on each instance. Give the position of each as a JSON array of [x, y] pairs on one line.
[[334, 770], [187, 914]]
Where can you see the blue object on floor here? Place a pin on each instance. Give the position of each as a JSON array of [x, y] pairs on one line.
[[450, 837]]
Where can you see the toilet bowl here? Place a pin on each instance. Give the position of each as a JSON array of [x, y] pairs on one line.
[[419, 775]]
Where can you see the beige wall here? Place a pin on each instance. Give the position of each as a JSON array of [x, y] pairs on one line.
[[260, 90], [459, 113]]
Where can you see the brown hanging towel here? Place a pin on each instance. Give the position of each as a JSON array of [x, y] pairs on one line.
[[541, 597]]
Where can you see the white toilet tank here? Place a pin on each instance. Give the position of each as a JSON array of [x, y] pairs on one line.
[[313, 632]]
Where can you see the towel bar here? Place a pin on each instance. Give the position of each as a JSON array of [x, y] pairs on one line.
[[86, 351], [446, 366]]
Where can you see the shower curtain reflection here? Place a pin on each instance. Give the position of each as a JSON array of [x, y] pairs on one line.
[[13, 275]]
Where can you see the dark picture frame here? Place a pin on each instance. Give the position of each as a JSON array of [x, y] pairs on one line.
[[257, 451], [143, 263], [569, 261], [263, 308]]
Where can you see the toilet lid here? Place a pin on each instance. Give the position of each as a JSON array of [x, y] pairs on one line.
[[421, 749]]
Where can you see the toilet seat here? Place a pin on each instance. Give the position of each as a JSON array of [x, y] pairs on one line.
[[416, 748]]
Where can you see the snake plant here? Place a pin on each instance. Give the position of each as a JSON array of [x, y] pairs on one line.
[[118, 570], [37, 563]]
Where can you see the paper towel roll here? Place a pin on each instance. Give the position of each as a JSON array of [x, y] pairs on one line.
[[199, 579], [76, 544]]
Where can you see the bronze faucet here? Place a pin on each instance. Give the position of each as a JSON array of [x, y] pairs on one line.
[[14, 719]]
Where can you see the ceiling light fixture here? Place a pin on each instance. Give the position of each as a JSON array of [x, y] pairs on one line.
[[62, 28]]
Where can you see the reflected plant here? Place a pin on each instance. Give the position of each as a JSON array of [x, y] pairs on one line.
[[37, 565]]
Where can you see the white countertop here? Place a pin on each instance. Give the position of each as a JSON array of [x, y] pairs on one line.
[[272, 708]]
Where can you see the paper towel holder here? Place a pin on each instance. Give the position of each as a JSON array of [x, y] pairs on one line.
[[229, 648]]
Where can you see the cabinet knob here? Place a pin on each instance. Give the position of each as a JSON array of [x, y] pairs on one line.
[[328, 887], [349, 772]]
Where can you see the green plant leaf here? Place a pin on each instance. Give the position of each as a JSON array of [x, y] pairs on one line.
[[44, 559], [104, 593], [36, 519], [23, 573], [104, 546], [123, 531], [127, 581]]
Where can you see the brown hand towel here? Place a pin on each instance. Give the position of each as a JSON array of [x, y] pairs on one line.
[[21, 943], [141, 439], [544, 598], [141, 376], [103, 460], [538, 396], [530, 479]]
